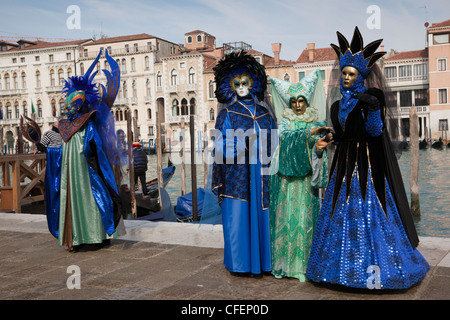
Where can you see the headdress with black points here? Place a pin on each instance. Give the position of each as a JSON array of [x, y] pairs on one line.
[[355, 54], [237, 63]]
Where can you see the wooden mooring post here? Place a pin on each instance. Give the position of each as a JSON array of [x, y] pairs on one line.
[[193, 169], [14, 190], [414, 170], [131, 165]]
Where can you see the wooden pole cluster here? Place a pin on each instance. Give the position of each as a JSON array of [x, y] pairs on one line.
[[159, 157], [131, 164]]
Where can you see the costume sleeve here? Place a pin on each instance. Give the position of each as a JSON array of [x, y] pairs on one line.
[[294, 150], [319, 161], [374, 102], [52, 188]]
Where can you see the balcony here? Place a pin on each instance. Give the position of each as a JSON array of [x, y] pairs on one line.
[[54, 88], [148, 99], [173, 89], [12, 92], [420, 110], [177, 119], [190, 87]]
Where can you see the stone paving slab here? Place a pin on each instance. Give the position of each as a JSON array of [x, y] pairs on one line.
[[34, 267]]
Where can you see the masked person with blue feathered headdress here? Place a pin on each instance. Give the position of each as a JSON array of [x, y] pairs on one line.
[[84, 209], [241, 158]]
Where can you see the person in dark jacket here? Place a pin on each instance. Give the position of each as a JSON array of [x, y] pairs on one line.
[[140, 165]]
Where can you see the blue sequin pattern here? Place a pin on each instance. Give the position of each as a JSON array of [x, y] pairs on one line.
[[360, 237]]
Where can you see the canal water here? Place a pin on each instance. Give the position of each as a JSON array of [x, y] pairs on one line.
[[434, 186]]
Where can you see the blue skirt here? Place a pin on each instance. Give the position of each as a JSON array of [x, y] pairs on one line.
[[360, 245], [246, 230]]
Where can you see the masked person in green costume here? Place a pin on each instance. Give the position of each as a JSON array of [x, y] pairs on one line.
[[83, 206], [299, 168]]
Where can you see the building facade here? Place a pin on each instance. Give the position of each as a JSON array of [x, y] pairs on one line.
[[175, 81]]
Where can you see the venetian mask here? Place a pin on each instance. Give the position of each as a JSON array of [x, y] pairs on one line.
[[241, 84], [73, 103], [349, 75], [298, 105]]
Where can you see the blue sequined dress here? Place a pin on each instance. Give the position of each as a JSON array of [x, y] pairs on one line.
[[364, 238]]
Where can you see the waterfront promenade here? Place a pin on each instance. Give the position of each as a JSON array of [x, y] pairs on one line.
[[165, 261]]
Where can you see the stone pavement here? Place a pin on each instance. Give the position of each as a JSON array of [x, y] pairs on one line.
[[168, 261]]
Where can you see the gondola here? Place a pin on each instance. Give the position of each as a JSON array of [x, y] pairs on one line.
[[403, 144], [437, 144], [423, 144]]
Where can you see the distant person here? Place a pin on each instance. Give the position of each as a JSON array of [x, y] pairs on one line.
[[140, 166], [51, 138]]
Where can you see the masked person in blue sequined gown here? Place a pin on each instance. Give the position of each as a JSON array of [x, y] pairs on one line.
[[298, 169], [84, 209], [365, 236], [241, 157]]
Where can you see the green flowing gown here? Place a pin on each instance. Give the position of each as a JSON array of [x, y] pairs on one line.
[[297, 173], [77, 201]]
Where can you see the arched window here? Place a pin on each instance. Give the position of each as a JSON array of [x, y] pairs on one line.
[[136, 114], [173, 77], [7, 82], [149, 113], [175, 108], [147, 62], [211, 89], [125, 90], [147, 88], [38, 79], [25, 108], [211, 114], [24, 80], [124, 66], [192, 107], [69, 72], [191, 75], [52, 78], [39, 108], [82, 68], [133, 64], [8, 110], [184, 107], [189, 39], [133, 87], [159, 79], [15, 82], [60, 77], [16, 109], [53, 104], [287, 77]]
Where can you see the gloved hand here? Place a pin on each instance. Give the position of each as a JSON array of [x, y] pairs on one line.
[[371, 101]]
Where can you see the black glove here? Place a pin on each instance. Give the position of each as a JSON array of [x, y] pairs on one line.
[[371, 102]]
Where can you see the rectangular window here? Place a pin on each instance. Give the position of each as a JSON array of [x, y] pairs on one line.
[[22, 59], [421, 71], [404, 73], [421, 97], [441, 38], [406, 98], [442, 96], [36, 58], [14, 60], [301, 75], [390, 73], [442, 64], [322, 73], [443, 124], [68, 56]]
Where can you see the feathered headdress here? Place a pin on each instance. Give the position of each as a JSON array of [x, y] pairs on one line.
[[237, 63], [83, 88], [355, 54]]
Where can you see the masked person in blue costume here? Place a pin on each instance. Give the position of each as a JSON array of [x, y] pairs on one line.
[[241, 161], [83, 206], [298, 170], [365, 236]]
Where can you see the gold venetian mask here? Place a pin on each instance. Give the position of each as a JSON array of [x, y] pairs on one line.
[[349, 75], [242, 84]]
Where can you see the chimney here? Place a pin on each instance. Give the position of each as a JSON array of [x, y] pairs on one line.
[[310, 47], [276, 48], [382, 47]]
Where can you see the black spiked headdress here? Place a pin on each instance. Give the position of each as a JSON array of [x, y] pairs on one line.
[[355, 54]]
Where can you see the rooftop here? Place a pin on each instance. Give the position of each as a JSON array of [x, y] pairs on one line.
[[405, 55]]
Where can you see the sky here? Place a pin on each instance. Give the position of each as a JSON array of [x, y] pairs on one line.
[[293, 23]]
